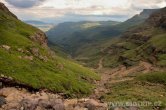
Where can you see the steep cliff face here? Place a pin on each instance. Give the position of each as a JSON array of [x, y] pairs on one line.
[[158, 19]]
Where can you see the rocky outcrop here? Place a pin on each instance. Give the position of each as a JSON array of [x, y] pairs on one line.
[[6, 10], [40, 37]]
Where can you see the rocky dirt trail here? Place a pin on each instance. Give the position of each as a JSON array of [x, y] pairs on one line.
[[119, 74]]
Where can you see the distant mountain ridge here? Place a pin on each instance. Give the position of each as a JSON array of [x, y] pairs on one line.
[[73, 38]]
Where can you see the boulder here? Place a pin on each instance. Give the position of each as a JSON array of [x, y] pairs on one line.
[[2, 101], [92, 104], [29, 104]]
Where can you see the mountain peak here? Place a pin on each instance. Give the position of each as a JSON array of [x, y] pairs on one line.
[[6, 10], [147, 12]]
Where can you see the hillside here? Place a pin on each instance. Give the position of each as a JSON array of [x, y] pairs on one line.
[[146, 42], [66, 34], [75, 40], [26, 60]]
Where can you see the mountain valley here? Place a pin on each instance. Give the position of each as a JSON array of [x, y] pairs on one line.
[[87, 65]]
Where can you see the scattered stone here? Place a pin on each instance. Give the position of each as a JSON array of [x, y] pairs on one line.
[[21, 99], [70, 102], [20, 50], [43, 58], [6, 47], [28, 58], [2, 75], [29, 104], [60, 66], [92, 104], [35, 51], [20, 57]]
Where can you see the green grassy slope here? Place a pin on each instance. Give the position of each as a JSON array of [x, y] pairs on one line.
[[33, 64]]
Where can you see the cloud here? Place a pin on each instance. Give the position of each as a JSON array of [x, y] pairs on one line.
[[24, 3], [146, 4], [53, 10]]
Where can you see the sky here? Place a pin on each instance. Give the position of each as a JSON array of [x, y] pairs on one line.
[[79, 10]]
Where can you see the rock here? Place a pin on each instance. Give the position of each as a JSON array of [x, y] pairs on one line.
[[56, 101], [7, 91], [82, 100], [29, 104], [59, 106], [2, 75], [94, 105], [21, 99], [20, 50], [70, 102], [39, 108], [40, 37], [2, 101], [35, 51], [44, 58], [28, 58], [6, 47], [60, 66], [55, 104], [12, 106], [80, 108], [44, 103], [1, 84]]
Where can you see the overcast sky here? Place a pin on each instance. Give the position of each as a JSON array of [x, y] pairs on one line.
[[77, 10]]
